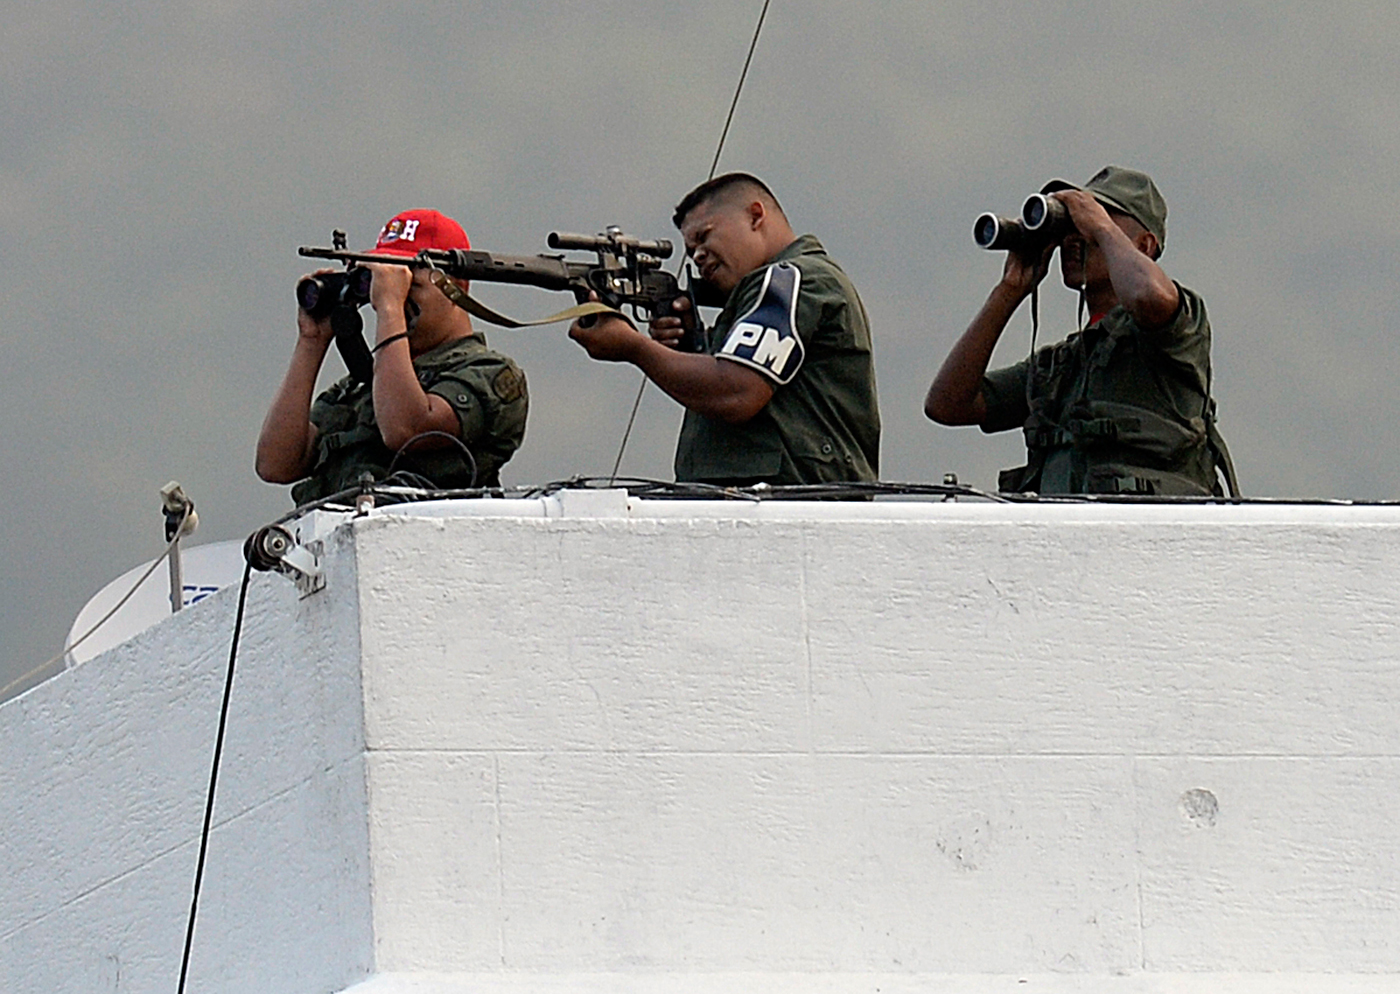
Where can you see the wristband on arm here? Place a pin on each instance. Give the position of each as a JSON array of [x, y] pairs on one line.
[[390, 339]]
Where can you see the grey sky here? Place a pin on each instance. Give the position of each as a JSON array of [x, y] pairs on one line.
[[162, 161]]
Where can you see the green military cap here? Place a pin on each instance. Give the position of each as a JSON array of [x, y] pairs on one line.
[[1126, 191]]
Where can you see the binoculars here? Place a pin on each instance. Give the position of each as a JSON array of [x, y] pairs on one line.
[[319, 295], [1043, 222]]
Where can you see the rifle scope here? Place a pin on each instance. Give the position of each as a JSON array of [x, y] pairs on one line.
[[660, 248]]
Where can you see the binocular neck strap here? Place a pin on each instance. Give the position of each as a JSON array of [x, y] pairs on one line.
[[1035, 330], [350, 340]]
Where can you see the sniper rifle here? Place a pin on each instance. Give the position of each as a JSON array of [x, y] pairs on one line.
[[627, 273]]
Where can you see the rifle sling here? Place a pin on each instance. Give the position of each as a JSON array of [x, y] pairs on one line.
[[476, 308]]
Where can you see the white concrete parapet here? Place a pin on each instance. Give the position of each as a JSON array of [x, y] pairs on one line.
[[597, 743]]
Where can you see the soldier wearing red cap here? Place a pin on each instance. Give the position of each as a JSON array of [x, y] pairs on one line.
[[432, 373], [1122, 406]]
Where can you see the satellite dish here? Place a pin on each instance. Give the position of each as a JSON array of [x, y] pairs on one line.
[[205, 570]]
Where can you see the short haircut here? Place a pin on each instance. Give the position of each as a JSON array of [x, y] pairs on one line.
[[713, 190]]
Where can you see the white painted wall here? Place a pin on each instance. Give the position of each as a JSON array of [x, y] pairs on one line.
[[103, 774], [679, 741]]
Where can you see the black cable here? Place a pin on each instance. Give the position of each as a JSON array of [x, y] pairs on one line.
[[631, 420], [214, 777], [739, 89], [743, 75], [416, 481], [471, 459], [876, 489]]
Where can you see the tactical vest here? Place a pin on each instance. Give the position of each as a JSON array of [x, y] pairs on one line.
[[486, 389], [1079, 442]]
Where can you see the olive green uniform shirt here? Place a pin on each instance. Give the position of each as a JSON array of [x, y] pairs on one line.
[[1114, 408], [799, 322], [485, 389]]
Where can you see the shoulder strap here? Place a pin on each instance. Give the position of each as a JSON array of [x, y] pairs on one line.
[[476, 308], [1220, 453]]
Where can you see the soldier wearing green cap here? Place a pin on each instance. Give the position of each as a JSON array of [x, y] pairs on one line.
[[1121, 406]]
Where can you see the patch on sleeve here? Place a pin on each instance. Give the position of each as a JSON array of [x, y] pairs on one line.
[[766, 337], [508, 385]]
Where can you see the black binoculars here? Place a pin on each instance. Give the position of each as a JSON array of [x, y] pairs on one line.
[[319, 295], [1044, 221]]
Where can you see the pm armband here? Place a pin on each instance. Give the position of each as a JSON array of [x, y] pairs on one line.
[[765, 338]]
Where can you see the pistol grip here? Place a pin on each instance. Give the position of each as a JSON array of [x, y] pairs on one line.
[[692, 331], [691, 338]]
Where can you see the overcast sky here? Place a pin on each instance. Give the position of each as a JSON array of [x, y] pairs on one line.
[[161, 162]]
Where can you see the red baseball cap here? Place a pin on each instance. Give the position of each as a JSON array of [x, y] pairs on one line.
[[410, 232]]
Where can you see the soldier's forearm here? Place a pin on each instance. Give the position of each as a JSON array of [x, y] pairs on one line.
[[713, 387], [1140, 285], [287, 436], [955, 396]]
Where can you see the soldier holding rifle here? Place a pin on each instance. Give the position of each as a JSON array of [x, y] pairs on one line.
[[784, 389]]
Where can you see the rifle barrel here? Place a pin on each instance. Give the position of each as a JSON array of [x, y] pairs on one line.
[[356, 258], [547, 272]]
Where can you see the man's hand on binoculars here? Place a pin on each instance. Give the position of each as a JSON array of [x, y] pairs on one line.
[[1022, 274], [1088, 215], [390, 287], [316, 331]]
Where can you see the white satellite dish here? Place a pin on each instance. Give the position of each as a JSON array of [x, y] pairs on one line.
[[205, 570]]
